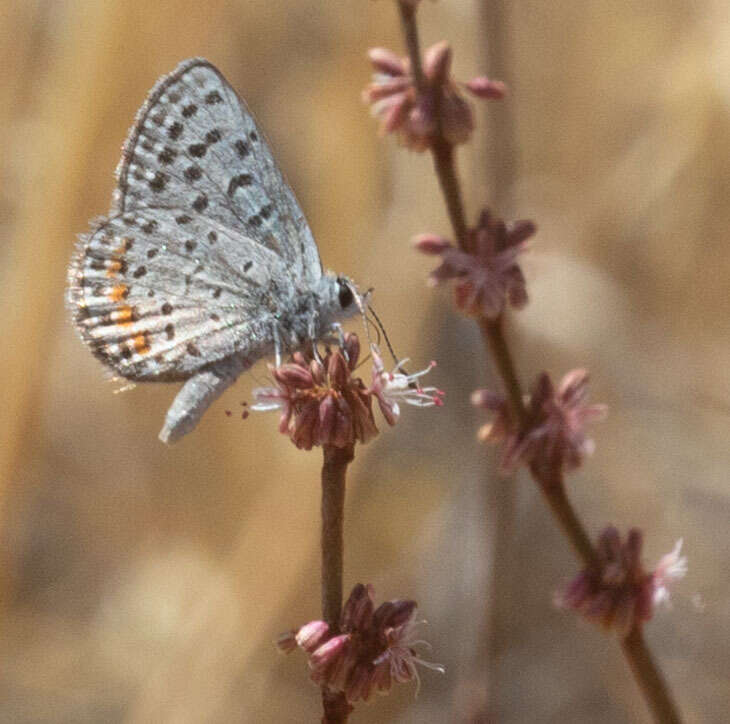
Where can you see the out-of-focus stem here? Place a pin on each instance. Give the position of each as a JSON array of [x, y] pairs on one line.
[[565, 517], [634, 647], [334, 470], [650, 678], [410, 33], [443, 159], [497, 346]]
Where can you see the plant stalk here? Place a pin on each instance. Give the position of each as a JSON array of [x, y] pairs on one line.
[[642, 665], [334, 470]]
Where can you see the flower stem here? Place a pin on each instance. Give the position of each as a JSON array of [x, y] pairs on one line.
[[334, 469], [497, 345], [650, 678], [410, 33], [566, 518], [443, 159], [634, 647]]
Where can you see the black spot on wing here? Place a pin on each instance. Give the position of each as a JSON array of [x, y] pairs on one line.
[[174, 130], [242, 179], [201, 203], [167, 155], [159, 182], [193, 173]]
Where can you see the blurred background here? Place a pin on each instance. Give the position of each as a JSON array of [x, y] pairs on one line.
[[145, 583]]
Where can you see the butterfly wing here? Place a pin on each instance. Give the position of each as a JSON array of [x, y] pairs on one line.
[[159, 293], [194, 140], [204, 233]]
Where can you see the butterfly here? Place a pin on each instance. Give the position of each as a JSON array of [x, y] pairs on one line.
[[205, 263]]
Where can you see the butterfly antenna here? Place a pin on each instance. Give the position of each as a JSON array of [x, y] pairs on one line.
[[364, 307], [385, 336], [362, 303]]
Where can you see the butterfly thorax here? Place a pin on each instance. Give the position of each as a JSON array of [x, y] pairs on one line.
[[311, 313]]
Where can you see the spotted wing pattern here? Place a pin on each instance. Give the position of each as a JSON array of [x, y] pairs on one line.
[[184, 272], [157, 295], [195, 140]]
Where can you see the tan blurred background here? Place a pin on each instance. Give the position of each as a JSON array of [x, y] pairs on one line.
[[141, 583]]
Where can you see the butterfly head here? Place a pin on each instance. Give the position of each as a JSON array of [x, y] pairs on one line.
[[347, 296], [338, 299]]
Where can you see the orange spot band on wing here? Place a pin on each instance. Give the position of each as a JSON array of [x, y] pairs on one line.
[[118, 293], [113, 267], [123, 315], [141, 345]]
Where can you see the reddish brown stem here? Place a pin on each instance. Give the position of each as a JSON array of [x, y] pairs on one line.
[[565, 516], [334, 470], [410, 33], [497, 346], [634, 647], [443, 159], [650, 679]]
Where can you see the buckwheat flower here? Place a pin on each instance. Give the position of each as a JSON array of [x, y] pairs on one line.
[[375, 647], [671, 567], [418, 115], [488, 276], [321, 402], [615, 591], [553, 437], [312, 635], [389, 388]]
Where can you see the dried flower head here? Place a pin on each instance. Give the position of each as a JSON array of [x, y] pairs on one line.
[[323, 403], [488, 276], [373, 649], [615, 591], [553, 437], [417, 115]]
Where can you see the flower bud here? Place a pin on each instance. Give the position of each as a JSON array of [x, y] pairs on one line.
[[327, 655], [312, 635], [487, 89], [386, 61], [437, 63], [431, 243], [286, 642]]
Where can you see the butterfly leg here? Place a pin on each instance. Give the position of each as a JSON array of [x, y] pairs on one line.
[[277, 343], [340, 334], [197, 394], [337, 331], [312, 334]]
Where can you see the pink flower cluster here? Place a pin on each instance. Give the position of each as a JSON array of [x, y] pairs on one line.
[[487, 276], [322, 403], [419, 115], [615, 591], [373, 649], [553, 437]]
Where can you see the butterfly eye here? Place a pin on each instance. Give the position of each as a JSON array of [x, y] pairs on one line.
[[345, 296]]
